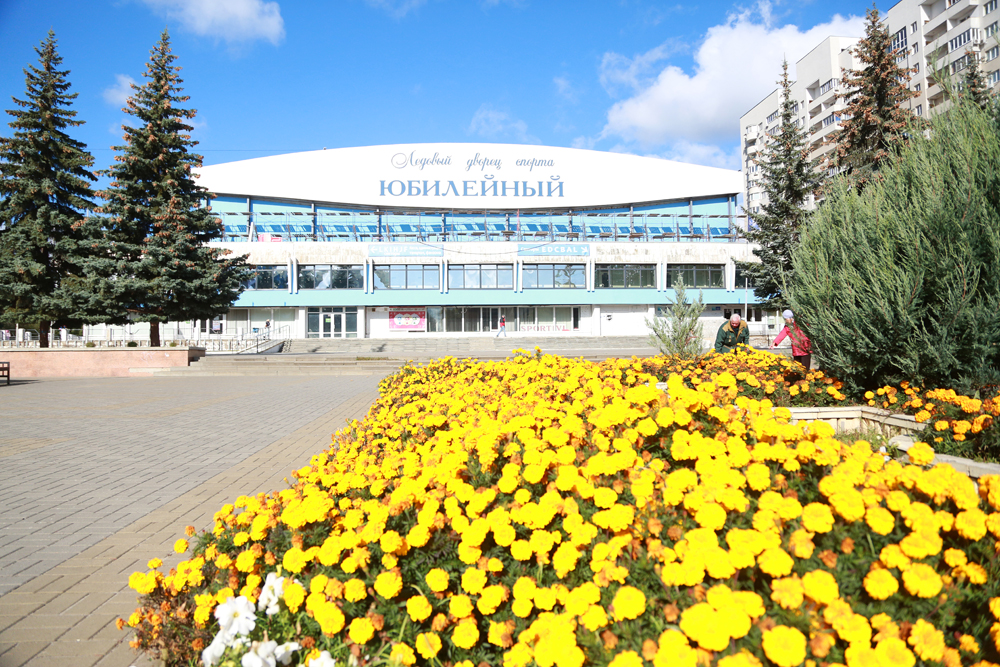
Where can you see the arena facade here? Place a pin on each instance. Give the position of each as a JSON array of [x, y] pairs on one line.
[[445, 239]]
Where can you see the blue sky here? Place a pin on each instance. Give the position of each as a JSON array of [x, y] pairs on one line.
[[654, 78]]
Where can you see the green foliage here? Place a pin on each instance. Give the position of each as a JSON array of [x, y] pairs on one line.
[[876, 124], [153, 264], [681, 332], [788, 178], [902, 281], [975, 87], [44, 190]]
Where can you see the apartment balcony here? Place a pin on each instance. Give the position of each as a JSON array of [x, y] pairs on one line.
[[752, 134], [955, 13]]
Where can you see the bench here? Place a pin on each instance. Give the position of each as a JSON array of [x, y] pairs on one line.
[[5, 370]]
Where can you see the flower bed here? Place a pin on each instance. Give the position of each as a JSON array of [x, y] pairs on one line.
[[557, 512]]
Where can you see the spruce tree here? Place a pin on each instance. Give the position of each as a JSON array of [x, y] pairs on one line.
[[975, 87], [44, 192], [876, 124], [788, 178], [153, 265], [680, 333]]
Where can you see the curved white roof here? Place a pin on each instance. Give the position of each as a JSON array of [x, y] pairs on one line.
[[468, 176]]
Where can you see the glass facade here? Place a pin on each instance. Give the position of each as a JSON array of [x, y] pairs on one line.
[[697, 275], [332, 322], [407, 276], [331, 276], [549, 276], [480, 276], [625, 275]]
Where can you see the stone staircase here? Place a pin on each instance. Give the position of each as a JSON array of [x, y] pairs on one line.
[[365, 356]]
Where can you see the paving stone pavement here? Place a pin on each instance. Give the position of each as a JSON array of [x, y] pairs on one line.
[[99, 475]]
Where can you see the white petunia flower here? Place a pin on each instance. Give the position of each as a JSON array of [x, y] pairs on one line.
[[236, 616], [270, 594], [210, 656], [283, 653], [261, 654], [324, 660]]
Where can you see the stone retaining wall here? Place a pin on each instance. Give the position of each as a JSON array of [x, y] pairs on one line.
[[96, 362]]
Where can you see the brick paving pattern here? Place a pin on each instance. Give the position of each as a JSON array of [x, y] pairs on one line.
[[99, 475]]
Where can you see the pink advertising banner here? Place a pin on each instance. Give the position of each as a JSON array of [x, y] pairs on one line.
[[411, 319]]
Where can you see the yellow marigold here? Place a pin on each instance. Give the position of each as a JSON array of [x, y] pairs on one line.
[[428, 644], [390, 542], [142, 583], [821, 586], [927, 641], [741, 659], [473, 580], [849, 504], [388, 584], [922, 581], [880, 584], [968, 644], [605, 497], [294, 595], [245, 561], [941, 425], [995, 607], [295, 559], [775, 562], [626, 659], [355, 590], [499, 634], [361, 631], [921, 454], [817, 518], [787, 592], [418, 608], [880, 520], [491, 598], [594, 618], [711, 516], [703, 625], [629, 603], [758, 476], [466, 634], [922, 416], [801, 543], [892, 556], [331, 620], [437, 580], [971, 524], [460, 606], [181, 545], [784, 646], [403, 653]]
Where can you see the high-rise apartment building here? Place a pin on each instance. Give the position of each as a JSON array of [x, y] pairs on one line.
[[936, 39]]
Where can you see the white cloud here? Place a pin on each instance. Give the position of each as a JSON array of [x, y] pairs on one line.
[[618, 72], [734, 68], [491, 123], [397, 9], [120, 92], [564, 88], [709, 155], [233, 21]]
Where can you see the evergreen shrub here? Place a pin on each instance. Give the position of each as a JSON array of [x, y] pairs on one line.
[[902, 281]]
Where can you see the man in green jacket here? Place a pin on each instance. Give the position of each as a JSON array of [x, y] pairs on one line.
[[732, 333]]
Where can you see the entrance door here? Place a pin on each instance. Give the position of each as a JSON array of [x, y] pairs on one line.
[[338, 325], [494, 319], [327, 324]]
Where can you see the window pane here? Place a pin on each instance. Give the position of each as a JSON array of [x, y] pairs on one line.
[[414, 276], [688, 275], [602, 276], [355, 277], [545, 276], [618, 276], [718, 277], [351, 323], [529, 278], [251, 282], [265, 278], [527, 318], [338, 278], [488, 275], [578, 275], [280, 277], [545, 317], [505, 276], [435, 319], [453, 319], [397, 278], [431, 276], [632, 276], [456, 277], [648, 278], [510, 314], [382, 277], [324, 278], [564, 318], [471, 276], [307, 277], [472, 317]]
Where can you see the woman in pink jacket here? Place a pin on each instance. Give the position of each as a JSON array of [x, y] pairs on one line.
[[801, 348]]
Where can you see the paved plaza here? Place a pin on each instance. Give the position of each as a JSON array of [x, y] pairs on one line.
[[99, 475]]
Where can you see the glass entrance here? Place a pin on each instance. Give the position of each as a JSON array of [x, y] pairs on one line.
[[333, 322]]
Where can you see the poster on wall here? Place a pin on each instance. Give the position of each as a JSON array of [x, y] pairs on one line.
[[411, 319]]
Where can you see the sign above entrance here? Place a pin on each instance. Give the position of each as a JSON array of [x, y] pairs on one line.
[[553, 249], [404, 250]]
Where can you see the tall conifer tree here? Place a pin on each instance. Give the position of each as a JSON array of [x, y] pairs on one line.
[[876, 124], [788, 179], [44, 192], [975, 87], [154, 265]]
